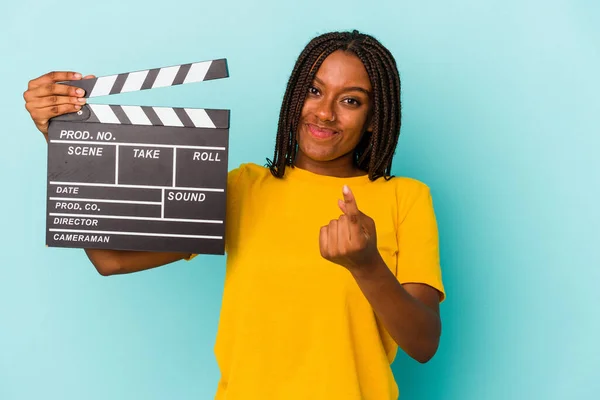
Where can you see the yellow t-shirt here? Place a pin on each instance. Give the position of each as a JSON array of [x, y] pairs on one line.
[[294, 325]]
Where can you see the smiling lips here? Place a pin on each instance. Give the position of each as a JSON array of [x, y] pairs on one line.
[[319, 132]]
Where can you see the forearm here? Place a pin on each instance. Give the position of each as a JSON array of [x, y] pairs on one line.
[[112, 262], [414, 326]]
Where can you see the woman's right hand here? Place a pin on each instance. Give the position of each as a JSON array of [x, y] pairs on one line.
[[45, 98]]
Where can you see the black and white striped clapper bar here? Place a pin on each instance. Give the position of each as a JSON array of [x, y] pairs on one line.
[[138, 177]]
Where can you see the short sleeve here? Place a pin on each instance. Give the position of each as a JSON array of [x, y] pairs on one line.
[[233, 195], [418, 243]]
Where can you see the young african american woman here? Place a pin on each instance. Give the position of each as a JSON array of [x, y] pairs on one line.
[[332, 263]]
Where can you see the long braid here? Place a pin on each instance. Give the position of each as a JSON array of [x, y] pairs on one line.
[[382, 111], [364, 151], [388, 67], [375, 151], [380, 120]]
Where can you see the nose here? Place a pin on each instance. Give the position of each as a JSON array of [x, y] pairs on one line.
[[326, 111]]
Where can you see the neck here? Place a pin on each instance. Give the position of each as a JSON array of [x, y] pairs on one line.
[[342, 167]]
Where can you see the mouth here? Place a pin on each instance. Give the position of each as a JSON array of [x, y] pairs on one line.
[[320, 132]]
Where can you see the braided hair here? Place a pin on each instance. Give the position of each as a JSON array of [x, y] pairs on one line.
[[375, 151]]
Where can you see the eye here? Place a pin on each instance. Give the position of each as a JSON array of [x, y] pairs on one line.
[[313, 90], [352, 101]]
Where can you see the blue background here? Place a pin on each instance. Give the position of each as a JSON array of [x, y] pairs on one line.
[[500, 102]]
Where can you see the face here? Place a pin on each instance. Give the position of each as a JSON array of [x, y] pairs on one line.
[[335, 112]]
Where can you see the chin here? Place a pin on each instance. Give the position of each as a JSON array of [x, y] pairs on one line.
[[319, 156], [314, 150], [319, 152]]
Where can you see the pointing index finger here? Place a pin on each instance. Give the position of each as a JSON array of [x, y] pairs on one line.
[[350, 206]]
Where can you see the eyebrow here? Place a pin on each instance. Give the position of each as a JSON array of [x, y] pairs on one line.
[[347, 89]]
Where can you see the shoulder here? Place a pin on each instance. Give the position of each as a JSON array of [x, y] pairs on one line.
[[248, 175], [411, 194], [248, 171], [410, 184], [406, 187]]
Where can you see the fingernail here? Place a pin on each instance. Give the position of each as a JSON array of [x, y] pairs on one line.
[[81, 100], [346, 189], [77, 75], [80, 92], [77, 108]]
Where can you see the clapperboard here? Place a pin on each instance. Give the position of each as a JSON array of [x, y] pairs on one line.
[[139, 177]]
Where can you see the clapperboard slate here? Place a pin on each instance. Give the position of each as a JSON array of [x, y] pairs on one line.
[[139, 177]]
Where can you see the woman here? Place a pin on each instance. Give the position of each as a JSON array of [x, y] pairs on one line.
[[331, 263]]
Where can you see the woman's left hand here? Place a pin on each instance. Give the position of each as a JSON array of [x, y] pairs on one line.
[[350, 240]]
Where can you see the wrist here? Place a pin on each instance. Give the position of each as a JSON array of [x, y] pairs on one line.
[[371, 270]]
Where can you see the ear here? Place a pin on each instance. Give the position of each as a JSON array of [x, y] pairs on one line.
[[368, 126], [369, 123], [365, 139]]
